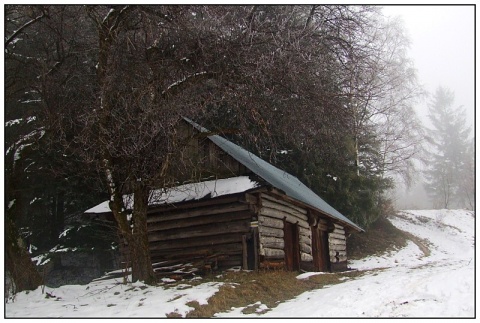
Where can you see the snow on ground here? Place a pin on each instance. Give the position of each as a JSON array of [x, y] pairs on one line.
[[436, 280], [109, 298]]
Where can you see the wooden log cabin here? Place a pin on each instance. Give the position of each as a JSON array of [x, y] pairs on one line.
[[252, 215]]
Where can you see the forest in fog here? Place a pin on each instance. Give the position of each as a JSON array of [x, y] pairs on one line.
[[93, 94]]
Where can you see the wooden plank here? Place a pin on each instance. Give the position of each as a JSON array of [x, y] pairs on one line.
[[194, 212], [240, 226], [231, 261], [192, 204], [256, 247], [276, 214], [244, 253], [199, 220], [283, 202], [196, 242], [230, 248]]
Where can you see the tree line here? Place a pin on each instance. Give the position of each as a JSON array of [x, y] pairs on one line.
[[93, 95]]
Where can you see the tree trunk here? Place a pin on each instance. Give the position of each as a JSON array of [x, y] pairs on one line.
[[17, 261], [139, 250]]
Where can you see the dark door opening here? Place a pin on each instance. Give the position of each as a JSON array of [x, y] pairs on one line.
[[292, 246], [320, 250]]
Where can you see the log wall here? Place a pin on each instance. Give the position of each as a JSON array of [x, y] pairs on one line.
[[272, 212], [198, 231], [338, 248]]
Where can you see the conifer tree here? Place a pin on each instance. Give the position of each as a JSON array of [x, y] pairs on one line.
[[450, 160]]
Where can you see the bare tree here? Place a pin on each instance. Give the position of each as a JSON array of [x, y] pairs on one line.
[[116, 80]]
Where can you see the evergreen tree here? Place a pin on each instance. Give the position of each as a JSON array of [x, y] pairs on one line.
[[451, 159]]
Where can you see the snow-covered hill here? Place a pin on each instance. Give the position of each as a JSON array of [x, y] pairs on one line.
[[433, 276]]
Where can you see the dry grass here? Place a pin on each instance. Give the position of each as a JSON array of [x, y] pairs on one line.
[[244, 289]]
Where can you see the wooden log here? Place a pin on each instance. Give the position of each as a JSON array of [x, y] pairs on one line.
[[270, 222], [305, 257], [338, 259], [305, 248], [338, 247], [285, 209], [332, 240], [337, 236], [305, 232], [270, 232], [305, 239], [272, 213], [338, 226], [339, 232], [272, 242], [194, 212], [264, 239], [273, 253], [338, 253], [200, 231], [283, 202]]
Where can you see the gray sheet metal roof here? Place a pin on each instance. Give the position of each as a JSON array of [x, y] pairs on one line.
[[276, 177]]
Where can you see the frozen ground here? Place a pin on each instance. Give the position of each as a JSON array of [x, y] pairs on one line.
[[433, 276]]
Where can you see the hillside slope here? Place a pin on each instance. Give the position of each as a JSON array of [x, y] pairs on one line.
[[431, 276]]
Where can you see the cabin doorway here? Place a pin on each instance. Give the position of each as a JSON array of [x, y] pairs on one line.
[[292, 246], [320, 250]]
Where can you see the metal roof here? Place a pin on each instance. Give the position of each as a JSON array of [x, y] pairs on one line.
[[276, 177]]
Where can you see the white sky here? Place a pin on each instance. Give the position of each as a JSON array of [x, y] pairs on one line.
[[442, 48]]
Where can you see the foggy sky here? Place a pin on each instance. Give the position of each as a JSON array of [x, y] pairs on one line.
[[442, 48]]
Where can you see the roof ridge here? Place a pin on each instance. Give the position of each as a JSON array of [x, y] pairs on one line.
[[287, 183]]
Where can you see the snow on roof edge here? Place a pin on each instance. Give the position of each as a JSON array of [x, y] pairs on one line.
[[187, 192]]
